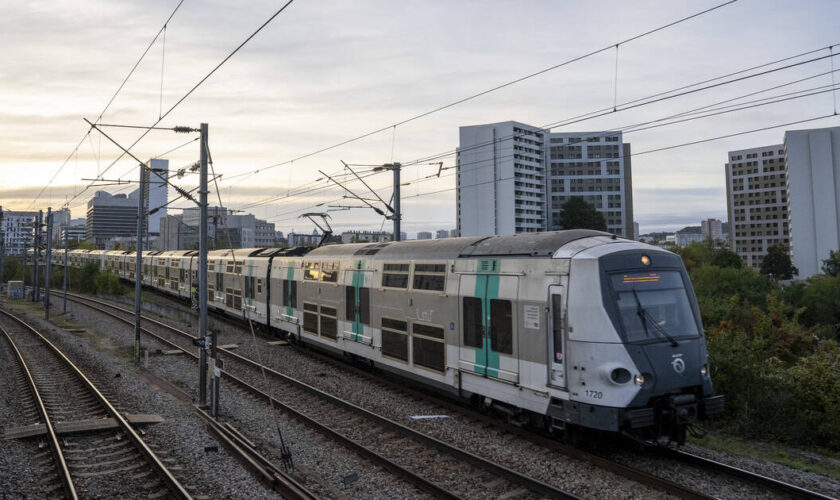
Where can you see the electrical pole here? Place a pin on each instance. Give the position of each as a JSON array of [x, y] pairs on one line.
[[397, 214], [2, 245], [66, 250], [138, 268], [202, 273], [23, 274], [48, 265], [36, 279]]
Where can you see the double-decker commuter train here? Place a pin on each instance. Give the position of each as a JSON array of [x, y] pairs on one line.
[[568, 329]]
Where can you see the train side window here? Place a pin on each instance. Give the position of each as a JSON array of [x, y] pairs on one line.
[[350, 303], [220, 281], [557, 326], [395, 338], [259, 286], [310, 318], [501, 331], [311, 272], [428, 347], [290, 296], [329, 272], [363, 305], [472, 322], [395, 276], [429, 277], [329, 325]]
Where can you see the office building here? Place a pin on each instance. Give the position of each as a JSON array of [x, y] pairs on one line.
[[687, 236], [225, 229], [757, 201], [156, 192], [442, 233], [514, 178], [712, 229], [303, 239], [636, 231], [74, 231], [109, 216], [813, 192], [424, 235], [18, 231]]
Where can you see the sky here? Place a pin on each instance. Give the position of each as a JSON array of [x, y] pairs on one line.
[[326, 71]]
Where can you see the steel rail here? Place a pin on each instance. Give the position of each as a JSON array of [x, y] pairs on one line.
[[55, 447], [489, 465], [422, 483], [706, 463], [628, 472], [175, 487]]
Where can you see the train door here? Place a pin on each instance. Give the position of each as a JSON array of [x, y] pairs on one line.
[[556, 339], [488, 344]]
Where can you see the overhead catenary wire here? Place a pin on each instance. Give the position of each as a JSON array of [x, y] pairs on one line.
[[490, 90], [640, 153], [191, 90], [110, 101], [636, 103], [647, 124]]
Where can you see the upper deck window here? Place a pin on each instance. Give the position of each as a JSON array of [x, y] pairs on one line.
[[429, 277]]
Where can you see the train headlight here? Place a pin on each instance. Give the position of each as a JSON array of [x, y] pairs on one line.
[[620, 376], [645, 260], [640, 379], [704, 370]]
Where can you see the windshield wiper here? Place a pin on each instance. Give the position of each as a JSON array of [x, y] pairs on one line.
[[646, 316]]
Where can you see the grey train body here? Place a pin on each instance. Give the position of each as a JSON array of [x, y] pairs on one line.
[[566, 329]]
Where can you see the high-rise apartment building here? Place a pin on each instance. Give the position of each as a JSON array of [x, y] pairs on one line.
[[501, 179], [813, 192], [18, 231], [514, 178], [711, 229], [596, 167], [156, 192], [757, 201]]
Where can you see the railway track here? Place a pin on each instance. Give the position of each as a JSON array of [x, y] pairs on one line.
[[436, 467], [709, 466], [112, 462]]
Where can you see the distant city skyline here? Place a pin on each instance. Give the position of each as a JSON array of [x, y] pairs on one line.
[[287, 94]]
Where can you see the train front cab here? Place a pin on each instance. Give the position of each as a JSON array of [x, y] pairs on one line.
[[635, 358]]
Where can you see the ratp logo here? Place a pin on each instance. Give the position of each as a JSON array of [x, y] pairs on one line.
[[679, 365]]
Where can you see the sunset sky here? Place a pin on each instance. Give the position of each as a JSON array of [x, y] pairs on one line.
[[326, 71]]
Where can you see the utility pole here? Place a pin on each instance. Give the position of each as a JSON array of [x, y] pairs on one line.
[[66, 250], [138, 268], [48, 265], [202, 273], [23, 274], [36, 279], [397, 214], [2, 245]]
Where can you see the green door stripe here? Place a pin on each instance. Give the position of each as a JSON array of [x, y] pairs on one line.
[[486, 360], [358, 281], [290, 275]]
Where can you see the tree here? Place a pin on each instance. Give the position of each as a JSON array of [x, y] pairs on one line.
[[726, 258], [777, 264], [831, 265], [578, 214]]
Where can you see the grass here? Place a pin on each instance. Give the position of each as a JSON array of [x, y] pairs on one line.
[[818, 460]]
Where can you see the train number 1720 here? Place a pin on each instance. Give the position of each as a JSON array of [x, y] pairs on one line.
[[594, 394]]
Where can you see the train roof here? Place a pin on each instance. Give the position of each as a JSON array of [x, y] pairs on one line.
[[543, 244]]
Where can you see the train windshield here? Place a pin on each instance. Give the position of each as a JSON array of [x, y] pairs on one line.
[[653, 305]]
